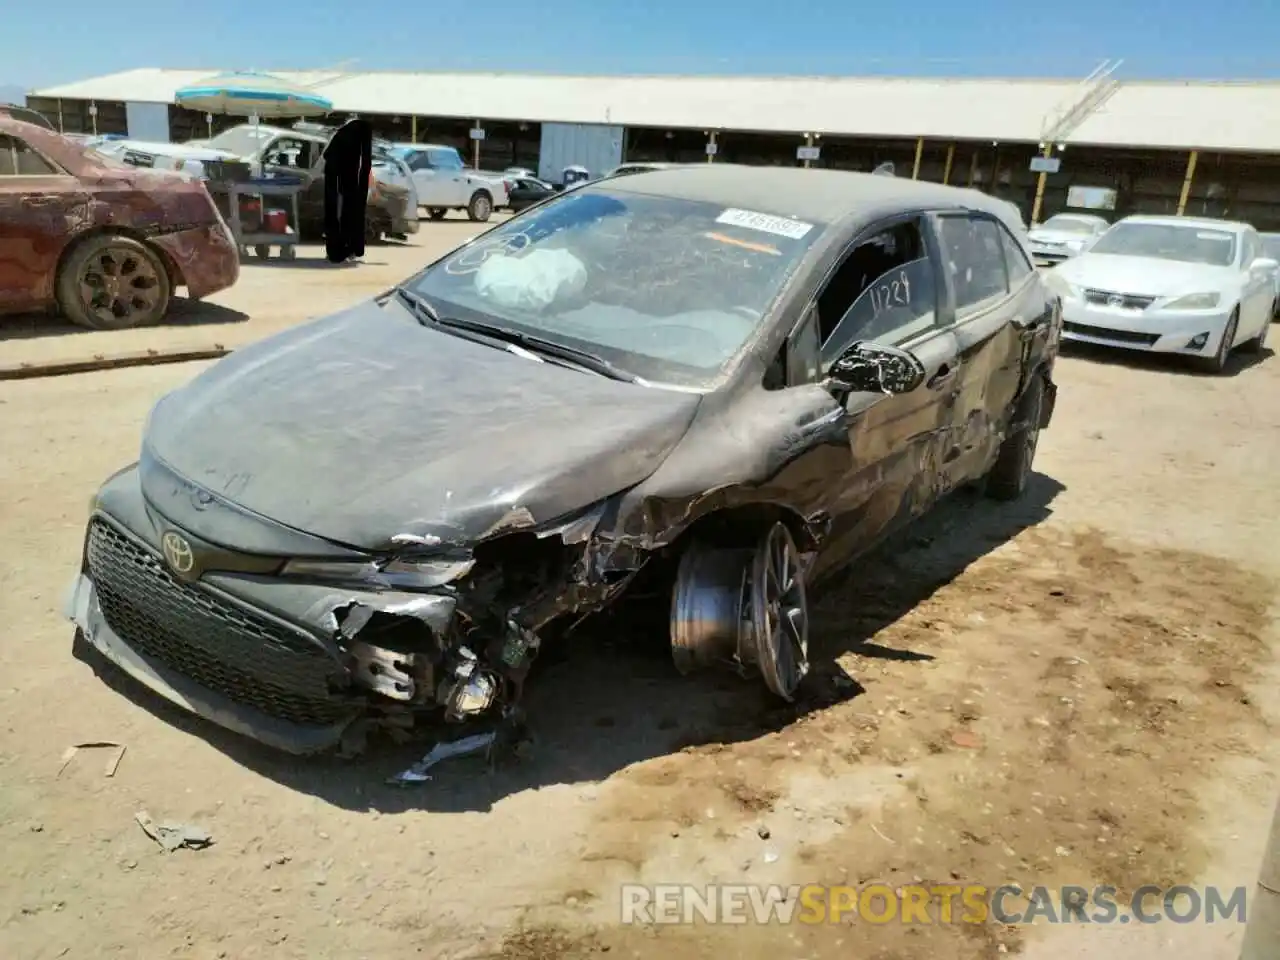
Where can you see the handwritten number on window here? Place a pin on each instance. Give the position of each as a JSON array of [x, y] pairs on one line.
[[890, 292]]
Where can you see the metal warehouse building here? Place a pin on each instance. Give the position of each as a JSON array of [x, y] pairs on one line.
[[1205, 148]]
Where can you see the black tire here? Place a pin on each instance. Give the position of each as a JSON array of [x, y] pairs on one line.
[[437, 213], [1007, 479], [1275, 311], [481, 206], [1218, 362], [113, 282], [1259, 343]]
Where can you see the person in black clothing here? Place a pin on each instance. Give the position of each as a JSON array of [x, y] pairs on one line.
[[348, 159]]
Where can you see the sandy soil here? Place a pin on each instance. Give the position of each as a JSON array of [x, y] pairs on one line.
[[1074, 689]]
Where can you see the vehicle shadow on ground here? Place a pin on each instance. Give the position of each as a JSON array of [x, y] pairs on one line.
[[612, 697], [311, 263], [182, 312], [1239, 361]]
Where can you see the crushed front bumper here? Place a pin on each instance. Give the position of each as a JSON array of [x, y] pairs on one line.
[[83, 607]]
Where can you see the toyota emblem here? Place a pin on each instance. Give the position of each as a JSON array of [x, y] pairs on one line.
[[177, 552], [1115, 301]]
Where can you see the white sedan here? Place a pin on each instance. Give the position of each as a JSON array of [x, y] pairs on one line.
[[1181, 285], [1063, 236]]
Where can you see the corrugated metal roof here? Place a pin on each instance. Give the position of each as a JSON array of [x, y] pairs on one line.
[[887, 107], [1225, 116], [1207, 116]]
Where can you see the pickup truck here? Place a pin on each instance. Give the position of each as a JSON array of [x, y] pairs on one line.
[[444, 183]]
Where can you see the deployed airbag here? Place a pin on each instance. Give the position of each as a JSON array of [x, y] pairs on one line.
[[533, 281]]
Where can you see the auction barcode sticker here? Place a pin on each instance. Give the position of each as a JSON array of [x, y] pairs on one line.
[[779, 226]]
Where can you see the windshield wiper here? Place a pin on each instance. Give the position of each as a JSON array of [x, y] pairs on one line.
[[423, 310], [417, 305], [548, 348]]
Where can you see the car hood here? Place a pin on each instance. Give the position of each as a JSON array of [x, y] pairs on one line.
[[1041, 235], [1143, 275], [365, 425]]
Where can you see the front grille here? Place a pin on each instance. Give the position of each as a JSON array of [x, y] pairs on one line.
[[1105, 333], [221, 646], [1109, 298]]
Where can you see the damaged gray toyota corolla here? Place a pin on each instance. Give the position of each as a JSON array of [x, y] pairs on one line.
[[724, 380]]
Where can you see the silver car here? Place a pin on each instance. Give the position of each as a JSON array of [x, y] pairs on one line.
[[1063, 236]]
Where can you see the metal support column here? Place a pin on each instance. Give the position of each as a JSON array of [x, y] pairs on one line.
[[973, 167], [951, 155], [60, 130], [475, 147], [915, 167], [808, 142], [1035, 207], [1186, 183], [1262, 933], [413, 129], [711, 142]]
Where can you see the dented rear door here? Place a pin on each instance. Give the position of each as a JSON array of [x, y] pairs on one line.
[[38, 218]]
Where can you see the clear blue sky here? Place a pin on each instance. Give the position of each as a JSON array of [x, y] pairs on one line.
[[43, 43]]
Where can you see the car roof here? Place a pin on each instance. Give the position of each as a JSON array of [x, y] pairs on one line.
[[824, 196], [1208, 223], [1079, 216], [34, 117]]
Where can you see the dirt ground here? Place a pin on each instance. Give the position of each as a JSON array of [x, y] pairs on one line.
[[1076, 689], [269, 296]]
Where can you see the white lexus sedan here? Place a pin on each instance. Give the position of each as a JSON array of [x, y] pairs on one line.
[[1063, 236], [1181, 285]]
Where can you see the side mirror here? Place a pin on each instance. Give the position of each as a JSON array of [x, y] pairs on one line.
[[1264, 265], [870, 367]]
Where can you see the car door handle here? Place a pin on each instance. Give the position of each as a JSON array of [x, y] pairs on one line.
[[942, 376]]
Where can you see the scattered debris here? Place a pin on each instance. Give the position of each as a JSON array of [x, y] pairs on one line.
[[113, 758], [443, 751], [173, 836], [762, 832], [967, 739], [876, 831]]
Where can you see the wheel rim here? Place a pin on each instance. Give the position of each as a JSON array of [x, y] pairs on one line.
[[482, 207], [119, 284], [780, 613]]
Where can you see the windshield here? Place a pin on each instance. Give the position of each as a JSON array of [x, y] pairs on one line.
[[243, 140], [1069, 224], [1168, 241], [666, 289], [99, 154]]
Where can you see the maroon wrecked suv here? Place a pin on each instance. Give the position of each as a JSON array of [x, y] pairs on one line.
[[103, 243]]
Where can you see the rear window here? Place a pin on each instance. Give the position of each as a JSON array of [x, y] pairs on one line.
[[17, 159]]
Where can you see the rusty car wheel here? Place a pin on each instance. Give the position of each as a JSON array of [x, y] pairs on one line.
[[780, 612], [113, 282]]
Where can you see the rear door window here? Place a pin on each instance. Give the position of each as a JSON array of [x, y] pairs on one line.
[[975, 257], [18, 159], [1015, 260]]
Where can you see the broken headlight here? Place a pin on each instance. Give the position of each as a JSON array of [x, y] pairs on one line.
[[405, 574]]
